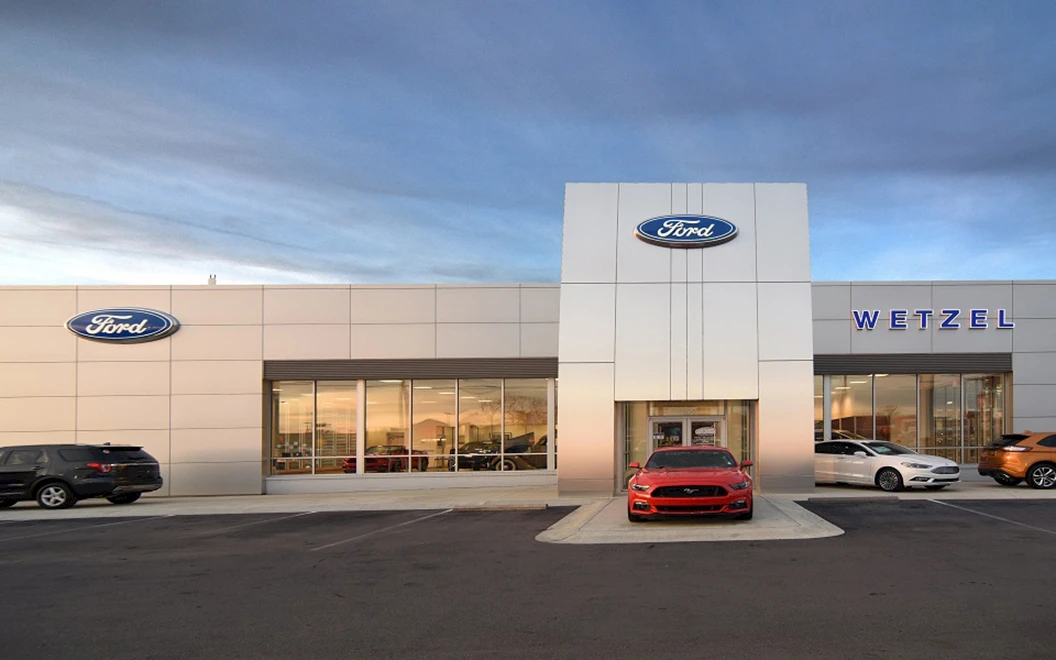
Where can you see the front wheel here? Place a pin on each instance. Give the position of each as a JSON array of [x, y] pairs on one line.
[[746, 515], [126, 498], [7, 503], [508, 465], [889, 480], [56, 495], [1042, 476], [633, 518], [1006, 480]]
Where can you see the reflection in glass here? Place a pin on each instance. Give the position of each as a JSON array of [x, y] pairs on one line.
[[335, 427], [525, 405], [479, 423], [388, 416], [984, 418], [685, 408], [896, 409], [291, 424], [433, 428], [940, 415], [738, 437], [819, 407], [635, 436], [554, 466], [852, 406]]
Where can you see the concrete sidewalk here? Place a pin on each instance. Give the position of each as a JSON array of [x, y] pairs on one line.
[[597, 519], [606, 522], [527, 497]]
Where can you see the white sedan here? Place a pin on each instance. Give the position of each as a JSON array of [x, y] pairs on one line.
[[890, 466]]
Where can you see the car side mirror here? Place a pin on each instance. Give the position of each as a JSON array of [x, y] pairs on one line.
[[635, 465], [861, 454], [745, 464]]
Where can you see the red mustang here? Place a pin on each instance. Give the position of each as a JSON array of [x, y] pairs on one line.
[[690, 481]]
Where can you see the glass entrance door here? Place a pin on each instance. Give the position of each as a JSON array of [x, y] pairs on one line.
[[706, 433], [687, 432]]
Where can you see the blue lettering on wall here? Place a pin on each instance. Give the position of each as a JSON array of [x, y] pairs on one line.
[[898, 319], [977, 319], [865, 319], [950, 322], [924, 315], [947, 319], [1002, 322]]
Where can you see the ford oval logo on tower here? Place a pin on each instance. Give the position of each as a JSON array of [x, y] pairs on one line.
[[686, 231], [123, 325]]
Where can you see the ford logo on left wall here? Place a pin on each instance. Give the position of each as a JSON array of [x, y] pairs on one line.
[[123, 325], [686, 231]]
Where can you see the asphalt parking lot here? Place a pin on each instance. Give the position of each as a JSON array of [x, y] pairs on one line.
[[916, 579]]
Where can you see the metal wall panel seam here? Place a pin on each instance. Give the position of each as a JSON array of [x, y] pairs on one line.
[[77, 367], [615, 284]]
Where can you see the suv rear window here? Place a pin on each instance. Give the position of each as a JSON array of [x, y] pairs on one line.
[[1009, 439], [79, 455], [132, 455]]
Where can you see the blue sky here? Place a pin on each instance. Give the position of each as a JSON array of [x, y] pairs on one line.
[[155, 143]]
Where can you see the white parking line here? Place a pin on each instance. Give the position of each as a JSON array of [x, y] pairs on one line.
[[258, 522], [379, 531], [980, 513], [77, 529]]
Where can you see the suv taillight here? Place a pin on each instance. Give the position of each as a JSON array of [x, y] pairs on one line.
[[102, 468], [1014, 448]]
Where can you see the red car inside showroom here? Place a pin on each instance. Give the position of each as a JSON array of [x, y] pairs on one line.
[[690, 481]]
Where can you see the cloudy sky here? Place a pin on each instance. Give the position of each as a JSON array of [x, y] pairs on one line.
[[158, 142]]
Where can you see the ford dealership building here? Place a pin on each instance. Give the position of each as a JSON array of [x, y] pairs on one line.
[[685, 315]]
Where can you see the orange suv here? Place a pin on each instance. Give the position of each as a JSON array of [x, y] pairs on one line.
[[1018, 456]]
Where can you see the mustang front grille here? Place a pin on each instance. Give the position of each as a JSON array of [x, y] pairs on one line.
[[689, 491]]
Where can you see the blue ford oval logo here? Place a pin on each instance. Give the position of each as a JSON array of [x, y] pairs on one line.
[[686, 231], [126, 325]]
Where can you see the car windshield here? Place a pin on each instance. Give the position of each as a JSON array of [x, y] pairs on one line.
[[691, 459], [888, 448]]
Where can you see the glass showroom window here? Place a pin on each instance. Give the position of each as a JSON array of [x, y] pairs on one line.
[[525, 419], [335, 427], [388, 418], [819, 408], [480, 433], [433, 423], [984, 412], [852, 406], [291, 427], [940, 415], [896, 408]]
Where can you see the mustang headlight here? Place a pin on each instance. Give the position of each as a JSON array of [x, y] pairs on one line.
[[639, 487], [741, 486], [916, 466]]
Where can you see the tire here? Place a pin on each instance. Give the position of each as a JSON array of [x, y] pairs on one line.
[[935, 487], [126, 498], [633, 518], [1006, 480], [507, 465], [55, 495], [1042, 476], [889, 480], [4, 504], [745, 516]]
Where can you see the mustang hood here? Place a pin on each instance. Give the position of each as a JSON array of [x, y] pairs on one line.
[[718, 476]]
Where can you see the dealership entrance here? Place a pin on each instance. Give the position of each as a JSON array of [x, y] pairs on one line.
[[687, 432]]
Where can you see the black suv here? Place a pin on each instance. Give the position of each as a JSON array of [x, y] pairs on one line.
[[56, 476]]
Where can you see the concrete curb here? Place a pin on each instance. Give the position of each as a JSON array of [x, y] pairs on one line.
[[572, 523]]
